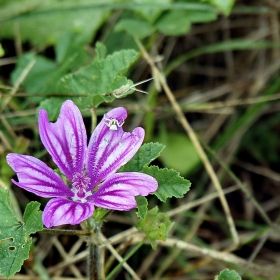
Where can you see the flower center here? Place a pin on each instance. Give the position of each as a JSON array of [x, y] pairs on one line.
[[80, 184]]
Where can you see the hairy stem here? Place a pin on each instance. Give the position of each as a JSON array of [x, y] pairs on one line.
[[94, 266], [66, 232]]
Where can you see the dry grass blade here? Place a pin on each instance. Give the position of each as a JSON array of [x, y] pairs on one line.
[[18, 83], [195, 141], [120, 259]]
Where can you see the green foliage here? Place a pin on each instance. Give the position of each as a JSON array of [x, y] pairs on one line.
[[2, 52], [99, 79], [174, 23], [142, 205], [43, 77], [170, 183], [70, 27], [227, 274], [45, 22], [152, 12], [14, 235], [257, 141], [155, 225], [135, 27], [100, 214], [223, 5], [40, 77], [19, 145], [94, 83], [180, 153], [146, 154], [52, 106], [178, 22]]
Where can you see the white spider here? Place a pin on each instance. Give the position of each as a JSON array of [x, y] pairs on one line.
[[113, 124], [124, 90]]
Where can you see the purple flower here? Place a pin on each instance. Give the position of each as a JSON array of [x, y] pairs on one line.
[[90, 172]]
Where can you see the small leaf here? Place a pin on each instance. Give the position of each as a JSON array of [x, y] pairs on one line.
[[227, 274], [52, 106], [170, 183], [178, 22], [14, 234], [99, 79], [174, 23], [100, 50], [32, 218], [150, 12], [224, 5], [197, 16], [142, 205], [146, 154], [135, 27], [155, 225]]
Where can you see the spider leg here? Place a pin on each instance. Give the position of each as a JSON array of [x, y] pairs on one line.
[[120, 124], [107, 121], [144, 81]]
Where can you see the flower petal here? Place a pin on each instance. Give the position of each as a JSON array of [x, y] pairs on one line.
[[118, 192], [61, 211], [66, 139], [36, 177], [109, 150]]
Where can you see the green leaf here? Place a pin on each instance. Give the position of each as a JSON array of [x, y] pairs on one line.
[[227, 274], [178, 22], [99, 79], [180, 153], [174, 23], [39, 77], [2, 52], [70, 50], [43, 77], [19, 145], [100, 50], [224, 5], [32, 218], [121, 40], [52, 106], [170, 183], [51, 19], [200, 16], [145, 155], [14, 235], [142, 205], [151, 13], [155, 225], [135, 27]]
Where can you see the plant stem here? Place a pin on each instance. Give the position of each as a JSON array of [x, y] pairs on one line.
[[93, 118], [94, 266], [66, 232]]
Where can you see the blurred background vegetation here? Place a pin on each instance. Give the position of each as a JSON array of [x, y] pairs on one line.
[[221, 61]]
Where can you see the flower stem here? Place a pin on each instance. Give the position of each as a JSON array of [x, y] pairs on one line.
[[94, 262], [94, 265], [93, 118]]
